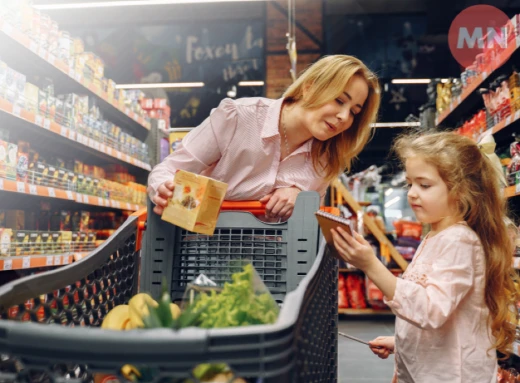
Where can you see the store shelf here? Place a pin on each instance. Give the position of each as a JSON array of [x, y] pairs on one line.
[[27, 57], [364, 312], [475, 84], [512, 191], [44, 191], [79, 140], [35, 261]]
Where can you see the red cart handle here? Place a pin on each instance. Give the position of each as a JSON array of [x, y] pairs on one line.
[[254, 207]]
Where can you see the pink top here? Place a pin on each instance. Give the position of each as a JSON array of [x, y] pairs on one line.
[[239, 144], [441, 330]]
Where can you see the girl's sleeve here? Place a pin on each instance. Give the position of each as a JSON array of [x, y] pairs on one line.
[[201, 148], [435, 290]]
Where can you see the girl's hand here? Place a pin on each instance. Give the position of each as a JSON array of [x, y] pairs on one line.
[[280, 203], [353, 249], [164, 193], [382, 346]]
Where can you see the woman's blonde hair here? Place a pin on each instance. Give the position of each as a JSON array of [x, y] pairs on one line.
[[323, 82], [474, 185]]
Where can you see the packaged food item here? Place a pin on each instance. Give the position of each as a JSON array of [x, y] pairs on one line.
[[342, 292], [196, 202], [21, 246], [6, 235], [356, 291], [22, 163]]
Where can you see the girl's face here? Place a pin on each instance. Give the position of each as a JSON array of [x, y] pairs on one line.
[[337, 115], [428, 195]]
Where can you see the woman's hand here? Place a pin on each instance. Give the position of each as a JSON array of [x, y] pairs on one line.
[[280, 203], [164, 193], [382, 346], [353, 249]]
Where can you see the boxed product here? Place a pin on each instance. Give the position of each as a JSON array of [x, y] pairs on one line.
[[22, 163], [196, 202], [34, 243], [5, 241], [3, 158], [56, 242], [12, 154], [46, 242], [21, 242], [85, 218], [31, 97]]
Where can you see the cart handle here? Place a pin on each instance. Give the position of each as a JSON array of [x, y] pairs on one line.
[[254, 207]]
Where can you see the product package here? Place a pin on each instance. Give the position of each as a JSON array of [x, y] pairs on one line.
[[196, 202]]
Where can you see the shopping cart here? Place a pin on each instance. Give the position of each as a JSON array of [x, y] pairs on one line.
[[300, 347]]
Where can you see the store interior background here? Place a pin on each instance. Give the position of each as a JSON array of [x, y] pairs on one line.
[[222, 44]]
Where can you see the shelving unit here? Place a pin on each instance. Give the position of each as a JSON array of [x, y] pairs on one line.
[[364, 312], [456, 107], [28, 58]]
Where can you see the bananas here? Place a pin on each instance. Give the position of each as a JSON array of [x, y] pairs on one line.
[[117, 319], [138, 308]]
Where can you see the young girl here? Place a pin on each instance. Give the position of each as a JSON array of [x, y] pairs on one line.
[[270, 150], [453, 302]]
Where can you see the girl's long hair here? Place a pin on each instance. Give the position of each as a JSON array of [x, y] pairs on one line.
[[474, 184], [323, 82]]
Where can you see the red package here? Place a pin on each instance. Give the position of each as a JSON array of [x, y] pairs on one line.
[[412, 229], [374, 296], [342, 292], [356, 291]]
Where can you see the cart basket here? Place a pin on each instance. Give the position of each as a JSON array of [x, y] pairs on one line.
[[49, 328]]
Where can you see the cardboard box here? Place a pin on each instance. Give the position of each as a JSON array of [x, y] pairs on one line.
[[5, 241], [196, 202], [31, 97], [12, 154], [21, 242], [35, 247], [46, 242]]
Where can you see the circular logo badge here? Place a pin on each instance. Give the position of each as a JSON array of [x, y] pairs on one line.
[[475, 30]]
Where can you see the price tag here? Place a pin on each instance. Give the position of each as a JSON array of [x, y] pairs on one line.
[[85, 198], [33, 190], [72, 135], [57, 260], [484, 75], [517, 188], [103, 148], [72, 73], [17, 110], [64, 131], [51, 58], [39, 120], [66, 259], [52, 193], [128, 159], [49, 260], [128, 207], [517, 115], [47, 124], [20, 187], [97, 146], [109, 151], [26, 262], [77, 76], [451, 107], [458, 99], [127, 111], [8, 29], [107, 203], [8, 264], [33, 46], [100, 201], [91, 142], [119, 155], [1, 184], [41, 52], [78, 198], [69, 195]]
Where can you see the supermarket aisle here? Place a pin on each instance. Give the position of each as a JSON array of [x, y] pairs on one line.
[[356, 362]]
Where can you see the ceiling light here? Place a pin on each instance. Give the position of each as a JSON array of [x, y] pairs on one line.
[[251, 83], [161, 85], [402, 124], [393, 201], [128, 3], [411, 81], [389, 191]]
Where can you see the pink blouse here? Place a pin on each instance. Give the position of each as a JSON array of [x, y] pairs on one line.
[[441, 330], [239, 144]]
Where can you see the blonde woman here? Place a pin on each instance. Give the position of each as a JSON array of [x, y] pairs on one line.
[[270, 150]]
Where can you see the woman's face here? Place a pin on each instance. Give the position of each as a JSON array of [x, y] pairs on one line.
[[338, 115]]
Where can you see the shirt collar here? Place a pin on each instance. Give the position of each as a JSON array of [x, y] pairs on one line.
[[270, 128]]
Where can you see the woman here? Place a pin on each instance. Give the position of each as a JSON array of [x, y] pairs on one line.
[[270, 150]]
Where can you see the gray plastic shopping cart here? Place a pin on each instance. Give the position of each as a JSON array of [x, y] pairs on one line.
[[49, 328]]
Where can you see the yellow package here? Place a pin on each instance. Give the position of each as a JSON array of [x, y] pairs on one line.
[[196, 202]]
